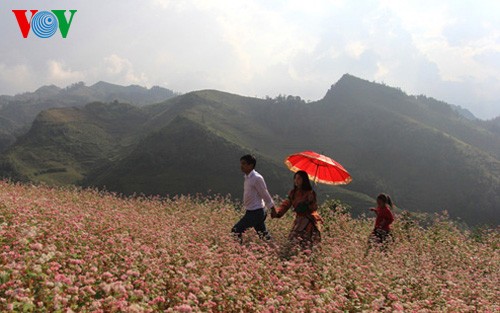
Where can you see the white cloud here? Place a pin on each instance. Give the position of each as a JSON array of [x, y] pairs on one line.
[[16, 77], [355, 49], [58, 72], [427, 23], [257, 35], [447, 49], [121, 71], [459, 63], [112, 68], [382, 71], [164, 4], [177, 5]]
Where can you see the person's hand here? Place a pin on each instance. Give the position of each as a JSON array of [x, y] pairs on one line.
[[274, 214], [373, 209]]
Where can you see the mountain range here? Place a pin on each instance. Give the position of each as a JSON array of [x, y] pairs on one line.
[[18, 112], [429, 155]]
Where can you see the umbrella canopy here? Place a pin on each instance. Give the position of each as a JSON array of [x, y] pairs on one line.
[[320, 168]]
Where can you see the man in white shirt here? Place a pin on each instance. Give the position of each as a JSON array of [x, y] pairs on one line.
[[255, 199]]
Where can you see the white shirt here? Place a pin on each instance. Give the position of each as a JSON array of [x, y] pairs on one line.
[[255, 194]]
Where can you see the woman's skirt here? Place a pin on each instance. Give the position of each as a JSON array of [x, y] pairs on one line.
[[305, 231]]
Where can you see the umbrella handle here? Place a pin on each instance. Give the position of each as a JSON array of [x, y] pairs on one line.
[[316, 177]]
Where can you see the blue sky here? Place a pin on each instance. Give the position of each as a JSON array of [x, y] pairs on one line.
[[449, 50]]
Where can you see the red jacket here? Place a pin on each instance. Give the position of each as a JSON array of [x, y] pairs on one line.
[[384, 218]]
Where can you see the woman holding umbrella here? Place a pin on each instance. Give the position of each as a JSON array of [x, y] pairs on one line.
[[322, 169], [306, 229]]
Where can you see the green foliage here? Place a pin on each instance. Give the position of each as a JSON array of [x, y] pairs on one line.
[[335, 206]]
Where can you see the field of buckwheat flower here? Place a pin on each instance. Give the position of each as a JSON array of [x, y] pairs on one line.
[[68, 250]]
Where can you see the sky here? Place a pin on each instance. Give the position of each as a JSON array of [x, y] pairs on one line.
[[449, 50]]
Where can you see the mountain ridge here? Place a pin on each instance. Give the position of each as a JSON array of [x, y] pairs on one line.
[[19, 111], [418, 149]]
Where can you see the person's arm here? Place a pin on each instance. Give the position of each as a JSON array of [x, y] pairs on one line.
[[260, 186], [390, 217], [313, 204], [283, 208]]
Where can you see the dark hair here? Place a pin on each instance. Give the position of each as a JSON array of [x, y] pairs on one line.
[[306, 183], [249, 159], [386, 199]]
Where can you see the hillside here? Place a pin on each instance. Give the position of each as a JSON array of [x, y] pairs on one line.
[[179, 156], [427, 111], [73, 250], [420, 150], [63, 145], [222, 129], [493, 125], [18, 112], [428, 159]]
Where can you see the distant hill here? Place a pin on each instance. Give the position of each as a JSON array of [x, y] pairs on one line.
[[464, 112], [18, 112], [180, 158], [493, 125], [420, 150], [64, 144]]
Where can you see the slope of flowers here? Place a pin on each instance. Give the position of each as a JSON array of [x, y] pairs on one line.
[[66, 250]]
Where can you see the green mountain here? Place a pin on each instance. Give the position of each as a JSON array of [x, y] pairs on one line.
[[230, 121], [18, 112], [424, 152], [64, 144], [182, 155], [415, 148]]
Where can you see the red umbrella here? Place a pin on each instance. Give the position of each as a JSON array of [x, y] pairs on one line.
[[320, 168]]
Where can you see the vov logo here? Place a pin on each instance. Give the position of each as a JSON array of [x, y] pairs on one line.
[[44, 23]]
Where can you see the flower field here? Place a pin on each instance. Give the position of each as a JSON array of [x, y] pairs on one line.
[[65, 250]]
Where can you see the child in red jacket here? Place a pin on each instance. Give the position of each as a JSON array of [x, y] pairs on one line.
[[382, 230]]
